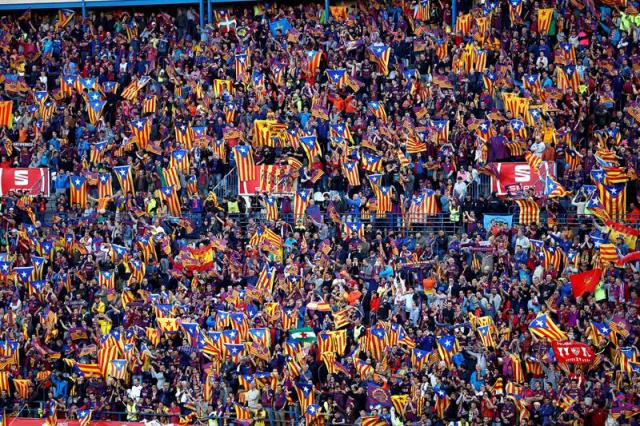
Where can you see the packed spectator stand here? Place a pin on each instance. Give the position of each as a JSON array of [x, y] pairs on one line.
[[362, 217]]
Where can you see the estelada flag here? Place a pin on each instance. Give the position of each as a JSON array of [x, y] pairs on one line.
[[585, 281]]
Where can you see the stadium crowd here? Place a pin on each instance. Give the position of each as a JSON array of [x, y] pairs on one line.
[[135, 293]]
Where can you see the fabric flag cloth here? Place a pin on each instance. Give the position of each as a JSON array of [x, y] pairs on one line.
[[545, 16], [381, 54], [553, 189], [573, 352], [313, 61], [125, 178], [303, 335], [141, 129], [607, 253], [545, 328], [585, 282], [6, 113], [300, 204], [447, 347], [244, 162], [529, 211], [78, 191], [311, 147], [170, 197]]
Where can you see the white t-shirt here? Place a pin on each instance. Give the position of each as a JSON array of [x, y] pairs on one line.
[[253, 397]]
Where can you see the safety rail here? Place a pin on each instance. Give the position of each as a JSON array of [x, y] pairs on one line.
[[228, 185], [273, 417], [405, 224]]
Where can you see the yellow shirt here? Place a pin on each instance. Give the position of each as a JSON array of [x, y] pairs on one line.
[[105, 325]]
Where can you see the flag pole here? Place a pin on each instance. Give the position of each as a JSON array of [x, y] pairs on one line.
[[201, 18], [209, 12], [84, 8], [454, 12], [326, 10]]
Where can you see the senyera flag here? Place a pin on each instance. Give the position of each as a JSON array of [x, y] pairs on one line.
[[572, 352]]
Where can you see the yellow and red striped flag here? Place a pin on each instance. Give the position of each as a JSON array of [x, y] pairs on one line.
[[78, 191], [149, 105], [170, 196], [529, 211], [141, 129], [6, 113], [300, 203], [245, 164], [545, 16]]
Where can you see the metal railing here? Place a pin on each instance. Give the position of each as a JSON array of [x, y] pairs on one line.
[[228, 185], [288, 417]]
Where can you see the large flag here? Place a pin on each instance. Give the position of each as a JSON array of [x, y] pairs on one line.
[[441, 128], [531, 82], [463, 24], [545, 16], [339, 13], [381, 53], [585, 281], [376, 342], [442, 402], [518, 130], [300, 203], [78, 191], [94, 110], [125, 178], [545, 328], [371, 162], [418, 358], [65, 16], [305, 394], [271, 205], [486, 337], [602, 332], [67, 82], [350, 169], [244, 162], [529, 211], [180, 160], [421, 11], [170, 196], [23, 387], [553, 189], [149, 104], [447, 347], [489, 79], [266, 278], [141, 129], [313, 415], [96, 152], [6, 113], [377, 109], [311, 147], [338, 77], [185, 135], [313, 58], [84, 417], [568, 78], [241, 65], [105, 188], [118, 369]]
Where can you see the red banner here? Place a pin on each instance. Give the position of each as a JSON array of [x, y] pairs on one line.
[[515, 178], [26, 421], [36, 181], [572, 352], [272, 179]]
